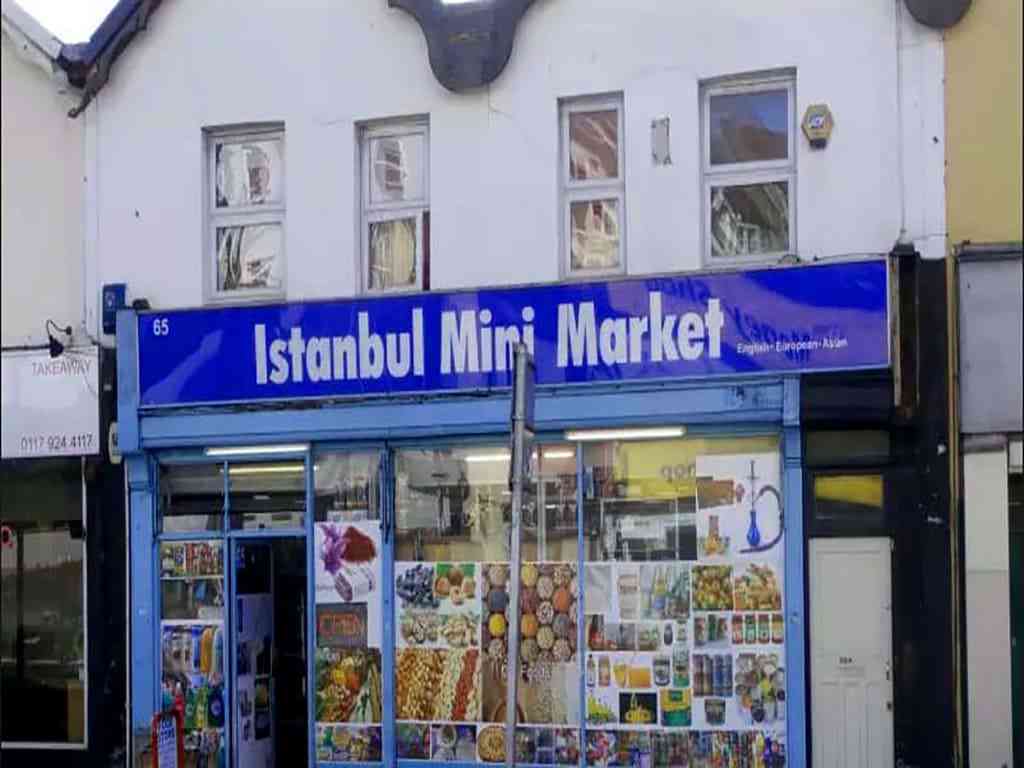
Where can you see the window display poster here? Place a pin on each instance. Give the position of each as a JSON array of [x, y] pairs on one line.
[[168, 743], [348, 571], [349, 708], [685, 659], [739, 508]]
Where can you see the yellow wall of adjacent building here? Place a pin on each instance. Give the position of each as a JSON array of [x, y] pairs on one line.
[[983, 124]]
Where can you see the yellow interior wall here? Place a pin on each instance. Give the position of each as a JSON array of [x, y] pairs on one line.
[[983, 124]]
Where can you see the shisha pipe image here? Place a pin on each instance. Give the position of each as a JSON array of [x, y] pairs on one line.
[[753, 532]]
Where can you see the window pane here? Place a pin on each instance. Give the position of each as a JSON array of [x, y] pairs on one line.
[[396, 168], [193, 643], [594, 145], [451, 529], [42, 627], [249, 257], [192, 498], [851, 498], [346, 487], [249, 173], [750, 219], [271, 495], [595, 234], [549, 511], [392, 254], [192, 580], [837, 447], [452, 606], [673, 570], [749, 127]]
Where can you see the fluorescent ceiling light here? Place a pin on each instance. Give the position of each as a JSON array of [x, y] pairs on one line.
[[267, 469], [636, 433], [482, 458], [257, 450], [559, 453]]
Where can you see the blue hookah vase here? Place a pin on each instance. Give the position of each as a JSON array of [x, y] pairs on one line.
[[753, 532]]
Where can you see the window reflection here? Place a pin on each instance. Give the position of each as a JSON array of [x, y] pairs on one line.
[[42, 616]]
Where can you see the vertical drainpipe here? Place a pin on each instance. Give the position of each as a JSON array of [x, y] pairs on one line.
[[956, 511]]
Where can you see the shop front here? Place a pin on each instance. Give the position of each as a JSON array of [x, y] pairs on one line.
[[321, 536], [62, 614]]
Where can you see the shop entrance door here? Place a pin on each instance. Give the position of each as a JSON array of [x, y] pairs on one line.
[[269, 714], [851, 652]]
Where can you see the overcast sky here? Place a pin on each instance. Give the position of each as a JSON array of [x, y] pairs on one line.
[[72, 21]]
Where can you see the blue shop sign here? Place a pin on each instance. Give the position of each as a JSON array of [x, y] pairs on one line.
[[812, 318]]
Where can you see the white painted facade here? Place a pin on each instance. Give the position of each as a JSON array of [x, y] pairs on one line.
[[324, 68], [41, 187]]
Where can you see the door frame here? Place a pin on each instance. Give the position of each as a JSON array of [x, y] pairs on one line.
[[825, 540], [233, 540]]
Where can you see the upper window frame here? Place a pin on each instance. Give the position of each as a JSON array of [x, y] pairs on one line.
[[745, 173], [369, 212], [244, 215], [572, 191]]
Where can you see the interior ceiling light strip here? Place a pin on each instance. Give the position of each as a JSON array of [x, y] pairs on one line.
[[637, 433], [257, 450], [267, 469]]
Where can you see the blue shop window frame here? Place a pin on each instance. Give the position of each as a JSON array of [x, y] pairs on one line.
[[719, 408]]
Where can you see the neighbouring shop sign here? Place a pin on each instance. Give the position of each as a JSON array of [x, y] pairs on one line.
[[810, 318], [50, 405]]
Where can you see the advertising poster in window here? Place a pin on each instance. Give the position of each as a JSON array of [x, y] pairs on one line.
[[348, 631], [685, 639], [451, 686]]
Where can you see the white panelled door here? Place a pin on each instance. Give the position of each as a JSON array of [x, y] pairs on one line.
[[851, 653]]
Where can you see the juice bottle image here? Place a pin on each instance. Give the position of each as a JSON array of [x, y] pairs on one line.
[[737, 629], [604, 672], [591, 672], [619, 670], [750, 629], [778, 628], [764, 629], [680, 668]]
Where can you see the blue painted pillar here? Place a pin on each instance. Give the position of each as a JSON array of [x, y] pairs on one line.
[[796, 619], [144, 602]]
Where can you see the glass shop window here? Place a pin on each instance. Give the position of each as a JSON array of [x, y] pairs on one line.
[[349, 608], [246, 213], [193, 643], [191, 498], [267, 495], [749, 170], [593, 186], [453, 609], [395, 206], [683, 595], [347, 487], [42, 606]]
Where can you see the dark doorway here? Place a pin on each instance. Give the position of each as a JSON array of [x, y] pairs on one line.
[[271, 723]]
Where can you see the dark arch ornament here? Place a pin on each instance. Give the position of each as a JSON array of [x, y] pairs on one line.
[[938, 14], [468, 43]]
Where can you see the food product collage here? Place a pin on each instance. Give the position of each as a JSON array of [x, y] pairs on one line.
[[192, 643], [349, 708], [452, 621], [695, 645]]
